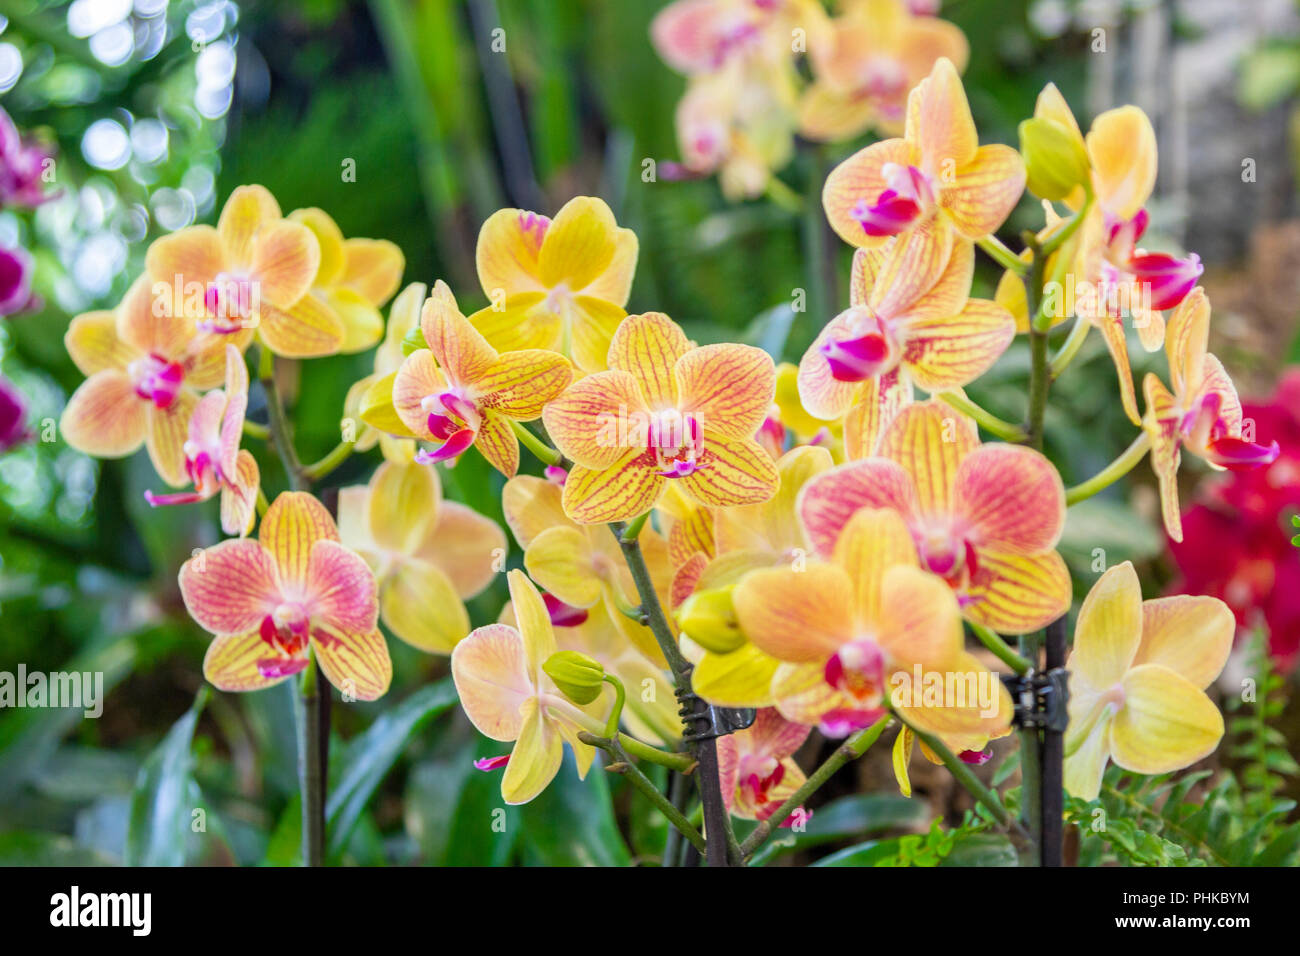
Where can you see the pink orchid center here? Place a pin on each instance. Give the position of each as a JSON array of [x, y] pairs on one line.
[[882, 77], [676, 441], [868, 350], [1115, 697], [156, 379], [857, 670], [908, 195], [759, 775], [949, 555], [286, 631], [230, 302]]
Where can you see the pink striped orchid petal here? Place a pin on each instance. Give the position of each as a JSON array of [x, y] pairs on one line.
[[231, 587], [829, 500], [357, 664], [1010, 499], [341, 588]]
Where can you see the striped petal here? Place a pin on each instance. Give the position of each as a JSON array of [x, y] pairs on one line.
[[986, 191], [239, 496], [939, 120], [1010, 498], [859, 179], [165, 437], [734, 472], [247, 210], [1109, 628], [599, 419], [105, 417], [506, 256], [308, 328], [627, 488], [878, 403], [520, 384], [230, 587], [1122, 150], [290, 529], [1190, 636], [461, 351], [357, 664], [1166, 723], [535, 759], [580, 244], [418, 378], [931, 441], [830, 500], [231, 663], [728, 388], [1161, 423], [920, 264], [821, 393], [421, 607], [492, 680], [93, 344], [497, 442], [1187, 342], [648, 347], [1116, 339], [797, 616], [1017, 594], [286, 257], [341, 587], [952, 351]]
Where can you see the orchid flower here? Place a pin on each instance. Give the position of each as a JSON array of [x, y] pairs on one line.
[[864, 64], [16, 268], [13, 417], [756, 765], [144, 366], [985, 518], [428, 555], [22, 168], [508, 697], [937, 169], [867, 629], [1201, 414], [1138, 674], [293, 593], [214, 461], [460, 391], [702, 36], [370, 399], [254, 270], [555, 284], [664, 412]]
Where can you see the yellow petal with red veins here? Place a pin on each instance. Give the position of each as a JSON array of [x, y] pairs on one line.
[[874, 540], [497, 442], [828, 501], [372, 268], [93, 343], [1112, 333], [1190, 636], [519, 385], [193, 254], [165, 438], [580, 244], [341, 588], [531, 505], [741, 678], [307, 329], [286, 257], [930, 440], [493, 680], [1122, 149], [329, 237], [460, 349], [728, 388], [648, 347], [859, 179], [1109, 628], [797, 616], [986, 191], [1017, 594], [230, 587], [939, 120], [627, 488], [1187, 342], [509, 242], [599, 419], [420, 606], [1165, 724], [878, 404], [536, 757], [560, 560], [230, 663], [952, 351], [357, 664], [239, 498], [732, 472], [468, 547], [1010, 498], [403, 506], [1161, 423], [924, 270], [290, 528], [418, 378], [246, 211], [105, 417]]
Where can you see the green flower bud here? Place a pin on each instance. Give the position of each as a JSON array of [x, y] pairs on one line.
[[709, 619], [1055, 159], [578, 676], [413, 340]]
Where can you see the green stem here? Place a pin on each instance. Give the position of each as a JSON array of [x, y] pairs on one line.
[[784, 196], [544, 452], [254, 430], [1064, 231], [1000, 648], [1116, 470], [281, 436], [1003, 256], [616, 712], [633, 529], [1039, 381], [1070, 348], [987, 420], [262, 504], [337, 456], [851, 749], [311, 781]]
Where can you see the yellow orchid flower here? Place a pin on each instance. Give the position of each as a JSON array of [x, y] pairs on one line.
[[865, 62], [985, 518], [937, 169], [665, 412], [428, 555], [555, 284], [756, 765], [144, 367], [253, 271], [582, 565], [1201, 414], [371, 398], [460, 391], [869, 628], [275, 601], [508, 697], [1138, 674], [354, 278]]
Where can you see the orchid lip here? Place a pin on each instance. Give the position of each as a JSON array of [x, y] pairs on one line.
[[1237, 454], [491, 763], [1167, 278], [857, 359], [456, 445]]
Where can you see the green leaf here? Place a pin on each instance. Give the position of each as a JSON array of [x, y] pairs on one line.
[[572, 822], [982, 849], [163, 800], [848, 817], [1269, 76], [35, 848], [455, 813], [369, 756], [871, 853]]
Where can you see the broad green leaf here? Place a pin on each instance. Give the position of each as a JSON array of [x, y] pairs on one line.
[[164, 797]]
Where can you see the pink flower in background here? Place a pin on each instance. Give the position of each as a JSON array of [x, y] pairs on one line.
[[21, 167], [1237, 536], [15, 281], [13, 417]]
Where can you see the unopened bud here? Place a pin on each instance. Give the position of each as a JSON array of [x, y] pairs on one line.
[[1056, 162], [709, 619], [578, 676]]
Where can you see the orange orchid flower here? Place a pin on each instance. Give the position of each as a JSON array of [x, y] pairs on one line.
[[460, 391], [985, 518], [937, 169], [213, 459], [276, 601], [144, 367]]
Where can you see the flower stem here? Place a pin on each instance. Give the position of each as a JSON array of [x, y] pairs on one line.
[[262, 503], [281, 436], [1078, 335], [337, 456], [1000, 648], [987, 420], [544, 452], [851, 749], [784, 196], [633, 529], [311, 777], [1003, 256], [254, 430], [1116, 470]]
